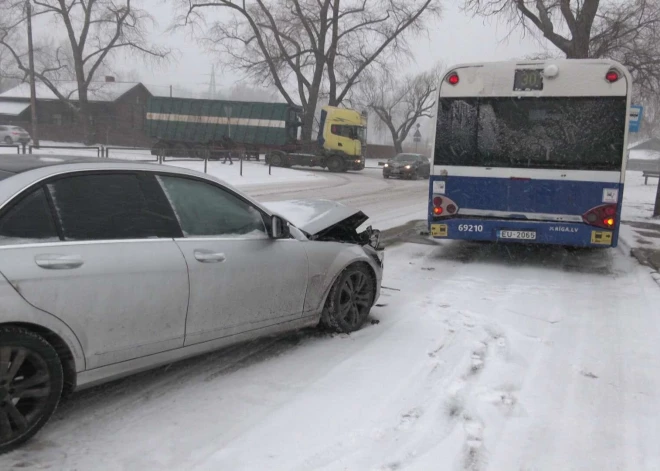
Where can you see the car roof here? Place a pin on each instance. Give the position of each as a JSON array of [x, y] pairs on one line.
[[18, 171]]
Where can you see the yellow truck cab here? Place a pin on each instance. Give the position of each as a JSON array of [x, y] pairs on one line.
[[342, 130]]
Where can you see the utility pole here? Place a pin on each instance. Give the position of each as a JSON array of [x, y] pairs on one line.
[[170, 91], [33, 88]]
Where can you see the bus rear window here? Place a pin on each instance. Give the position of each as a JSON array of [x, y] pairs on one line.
[[552, 133]]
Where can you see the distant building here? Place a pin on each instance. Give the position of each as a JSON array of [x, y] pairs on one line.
[[117, 112], [652, 144]]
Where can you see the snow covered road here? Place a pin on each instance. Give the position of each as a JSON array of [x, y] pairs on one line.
[[388, 203], [485, 358]]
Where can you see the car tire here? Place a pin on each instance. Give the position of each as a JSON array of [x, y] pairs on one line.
[[335, 164], [27, 404], [8, 141], [350, 300], [386, 176]]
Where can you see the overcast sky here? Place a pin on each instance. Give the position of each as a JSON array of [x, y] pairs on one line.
[[456, 38]]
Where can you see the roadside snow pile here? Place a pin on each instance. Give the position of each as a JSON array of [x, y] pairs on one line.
[[644, 155], [638, 198]]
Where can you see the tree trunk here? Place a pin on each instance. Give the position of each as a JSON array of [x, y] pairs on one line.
[[398, 146], [84, 118]]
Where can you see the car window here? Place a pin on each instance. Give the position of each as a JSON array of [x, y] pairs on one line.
[[28, 221], [3, 128], [109, 206], [207, 210]]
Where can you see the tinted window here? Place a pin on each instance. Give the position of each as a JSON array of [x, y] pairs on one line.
[[407, 158], [29, 220], [344, 131], [3, 128], [112, 206], [206, 210], [567, 133]]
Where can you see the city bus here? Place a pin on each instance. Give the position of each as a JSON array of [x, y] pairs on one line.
[[531, 152]]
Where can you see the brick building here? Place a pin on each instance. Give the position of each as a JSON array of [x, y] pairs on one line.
[[117, 110]]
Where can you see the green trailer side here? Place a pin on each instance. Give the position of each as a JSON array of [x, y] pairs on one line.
[[194, 122]]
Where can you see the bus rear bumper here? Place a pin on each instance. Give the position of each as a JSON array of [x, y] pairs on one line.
[[523, 232]]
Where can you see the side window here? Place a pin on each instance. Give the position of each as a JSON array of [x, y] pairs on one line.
[[109, 206], [28, 221], [206, 210]]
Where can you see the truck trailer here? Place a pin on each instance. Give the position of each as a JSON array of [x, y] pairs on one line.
[[185, 127]]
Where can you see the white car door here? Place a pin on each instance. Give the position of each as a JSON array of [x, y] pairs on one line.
[[240, 278], [97, 252]]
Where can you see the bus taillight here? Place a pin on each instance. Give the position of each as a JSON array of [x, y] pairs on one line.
[[612, 76], [443, 206], [601, 216]]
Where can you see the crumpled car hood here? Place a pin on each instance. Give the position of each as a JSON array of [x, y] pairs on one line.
[[315, 216]]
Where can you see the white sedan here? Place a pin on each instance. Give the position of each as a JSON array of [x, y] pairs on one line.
[[109, 267]]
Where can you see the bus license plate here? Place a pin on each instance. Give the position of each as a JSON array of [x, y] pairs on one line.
[[522, 235]]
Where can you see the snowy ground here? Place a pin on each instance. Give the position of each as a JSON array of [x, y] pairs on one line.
[[488, 358], [498, 358], [644, 155]]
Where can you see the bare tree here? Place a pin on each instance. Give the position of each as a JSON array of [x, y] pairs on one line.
[[400, 102], [627, 31], [306, 48], [95, 30]]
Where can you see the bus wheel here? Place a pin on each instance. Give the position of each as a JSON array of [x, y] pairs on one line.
[[335, 164]]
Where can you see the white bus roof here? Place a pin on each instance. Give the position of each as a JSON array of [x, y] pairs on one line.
[[574, 78]]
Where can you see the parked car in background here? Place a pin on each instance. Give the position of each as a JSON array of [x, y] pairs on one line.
[[411, 166], [108, 268], [14, 134]]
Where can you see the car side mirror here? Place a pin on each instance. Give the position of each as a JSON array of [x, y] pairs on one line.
[[278, 228]]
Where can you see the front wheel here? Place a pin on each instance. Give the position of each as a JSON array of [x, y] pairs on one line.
[[335, 164], [31, 383], [350, 300]]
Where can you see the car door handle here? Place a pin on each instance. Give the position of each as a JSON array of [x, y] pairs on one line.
[[340, 144], [206, 256], [58, 262]]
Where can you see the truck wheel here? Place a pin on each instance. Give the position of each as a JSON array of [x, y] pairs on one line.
[[30, 385], [335, 164], [276, 159]]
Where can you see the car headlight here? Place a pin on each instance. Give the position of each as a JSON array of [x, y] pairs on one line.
[[407, 167], [386, 165]]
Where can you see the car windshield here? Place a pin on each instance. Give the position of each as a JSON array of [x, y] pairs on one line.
[[407, 158]]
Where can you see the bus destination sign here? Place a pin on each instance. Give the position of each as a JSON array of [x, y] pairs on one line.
[[526, 80]]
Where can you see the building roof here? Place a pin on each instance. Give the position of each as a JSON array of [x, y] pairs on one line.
[[12, 108], [97, 92]]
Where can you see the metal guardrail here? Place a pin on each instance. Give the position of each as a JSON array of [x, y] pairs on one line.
[[216, 154], [9, 146], [99, 150]]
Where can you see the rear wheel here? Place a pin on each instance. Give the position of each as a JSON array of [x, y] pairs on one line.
[[31, 383], [350, 300], [335, 164], [8, 141]]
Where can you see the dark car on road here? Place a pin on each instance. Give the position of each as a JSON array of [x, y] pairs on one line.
[[411, 166]]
